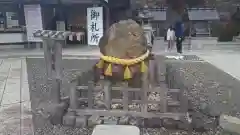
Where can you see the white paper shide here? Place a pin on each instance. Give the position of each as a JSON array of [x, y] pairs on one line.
[[95, 24]]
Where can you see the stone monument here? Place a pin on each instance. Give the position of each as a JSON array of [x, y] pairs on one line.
[[124, 51]]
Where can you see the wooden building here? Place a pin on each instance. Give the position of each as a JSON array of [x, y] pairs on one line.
[[11, 21], [201, 20], [55, 15]]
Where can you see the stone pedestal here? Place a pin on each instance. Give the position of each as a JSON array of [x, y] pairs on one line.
[[115, 130], [230, 124]]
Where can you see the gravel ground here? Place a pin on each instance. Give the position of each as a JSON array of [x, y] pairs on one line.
[[200, 80], [206, 85], [211, 91], [39, 92]]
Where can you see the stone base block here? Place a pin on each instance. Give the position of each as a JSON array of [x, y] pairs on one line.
[[115, 130], [230, 124]]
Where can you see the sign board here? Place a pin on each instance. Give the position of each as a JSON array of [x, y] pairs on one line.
[[12, 20], [33, 18], [94, 24], [60, 26]]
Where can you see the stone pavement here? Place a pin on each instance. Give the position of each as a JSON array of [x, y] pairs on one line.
[[15, 112], [228, 62]]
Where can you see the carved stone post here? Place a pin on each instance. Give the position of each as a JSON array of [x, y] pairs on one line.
[[52, 44]]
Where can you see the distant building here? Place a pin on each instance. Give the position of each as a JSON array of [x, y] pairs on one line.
[[197, 16], [11, 21], [71, 15], [55, 14]]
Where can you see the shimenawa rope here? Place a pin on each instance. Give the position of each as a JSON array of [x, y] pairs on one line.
[[125, 62]]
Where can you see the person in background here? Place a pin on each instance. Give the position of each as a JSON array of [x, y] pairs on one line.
[[152, 37], [179, 36], [170, 37]]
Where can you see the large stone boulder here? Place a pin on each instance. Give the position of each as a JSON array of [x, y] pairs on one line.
[[125, 40]]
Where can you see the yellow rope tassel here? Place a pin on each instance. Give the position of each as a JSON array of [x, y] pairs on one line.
[[108, 71], [100, 64], [127, 73], [143, 67]]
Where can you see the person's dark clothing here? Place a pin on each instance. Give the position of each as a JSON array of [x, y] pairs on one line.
[[179, 36], [51, 25], [152, 39], [179, 29], [179, 44]]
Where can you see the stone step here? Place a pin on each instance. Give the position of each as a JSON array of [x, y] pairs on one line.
[[230, 124], [115, 130]]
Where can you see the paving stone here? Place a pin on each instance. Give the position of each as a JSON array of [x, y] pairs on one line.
[[230, 124], [14, 119], [15, 77], [4, 73], [15, 73], [11, 98], [3, 77], [12, 85], [25, 96], [4, 68], [24, 70], [9, 119], [26, 118], [115, 130]]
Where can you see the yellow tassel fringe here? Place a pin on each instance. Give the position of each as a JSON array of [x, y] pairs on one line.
[[108, 71], [143, 67], [100, 64], [124, 62], [127, 73]]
